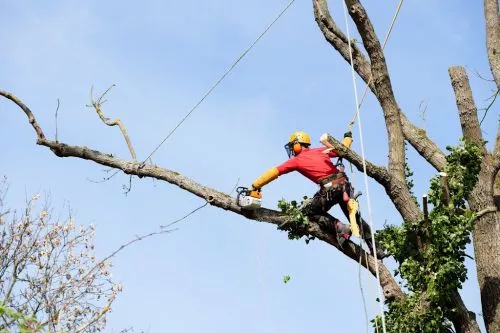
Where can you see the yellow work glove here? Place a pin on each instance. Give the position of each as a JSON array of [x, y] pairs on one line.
[[266, 178], [347, 140]]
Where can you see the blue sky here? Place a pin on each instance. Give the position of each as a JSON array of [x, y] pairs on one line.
[[220, 272]]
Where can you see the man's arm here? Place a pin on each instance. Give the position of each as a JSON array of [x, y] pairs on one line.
[[273, 173]]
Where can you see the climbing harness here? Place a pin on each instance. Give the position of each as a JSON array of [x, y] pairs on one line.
[[222, 77]]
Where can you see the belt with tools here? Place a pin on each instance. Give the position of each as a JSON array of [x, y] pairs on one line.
[[333, 181]]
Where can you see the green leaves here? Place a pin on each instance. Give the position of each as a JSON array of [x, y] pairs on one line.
[[431, 253], [297, 228], [286, 278], [24, 323]]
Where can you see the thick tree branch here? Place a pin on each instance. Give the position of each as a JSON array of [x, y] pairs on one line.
[[415, 136], [376, 172], [217, 199], [382, 83], [339, 41], [422, 144], [27, 111], [212, 196], [493, 37], [467, 109], [463, 319]]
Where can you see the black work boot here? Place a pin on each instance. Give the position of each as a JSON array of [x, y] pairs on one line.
[[343, 232]]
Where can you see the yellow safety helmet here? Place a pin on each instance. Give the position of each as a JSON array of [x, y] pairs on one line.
[[296, 141]]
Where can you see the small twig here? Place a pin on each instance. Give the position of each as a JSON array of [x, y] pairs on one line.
[[129, 187], [235, 186], [494, 97], [185, 216], [97, 104], [423, 108], [105, 179], [115, 252], [57, 109], [480, 76]]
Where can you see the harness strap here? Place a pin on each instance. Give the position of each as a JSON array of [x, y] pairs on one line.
[[334, 179]]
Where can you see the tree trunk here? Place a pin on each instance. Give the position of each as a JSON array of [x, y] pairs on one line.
[[486, 233], [493, 37], [487, 247]]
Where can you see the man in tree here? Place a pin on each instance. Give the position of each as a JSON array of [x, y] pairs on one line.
[[335, 188]]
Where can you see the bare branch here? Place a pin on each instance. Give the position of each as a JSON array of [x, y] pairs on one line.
[[419, 140], [493, 37], [338, 40], [31, 117], [493, 99], [382, 83], [467, 109], [97, 105], [376, 172], [221, 200], [362, 66], [57, 110]]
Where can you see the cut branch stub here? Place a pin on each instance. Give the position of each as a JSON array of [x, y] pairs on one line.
[[444, 186]]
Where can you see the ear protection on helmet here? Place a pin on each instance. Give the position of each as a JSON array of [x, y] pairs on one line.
[[297, 148]]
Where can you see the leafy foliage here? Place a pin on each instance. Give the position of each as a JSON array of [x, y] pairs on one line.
[[297, 228], [49, 272], [431, 253], [25, 324]]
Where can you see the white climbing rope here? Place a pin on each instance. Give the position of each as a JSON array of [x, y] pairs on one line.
[[360, 129]]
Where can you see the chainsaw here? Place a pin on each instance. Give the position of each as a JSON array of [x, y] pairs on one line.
[[248, 199]]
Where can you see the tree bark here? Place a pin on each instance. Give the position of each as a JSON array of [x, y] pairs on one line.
[[415, 136], [486, 237], [466, 107], [398, 126], [464, 320], [486, 233], [493, 37]]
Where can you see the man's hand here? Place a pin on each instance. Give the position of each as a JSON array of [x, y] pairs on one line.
[[252, 188], [347, 140]]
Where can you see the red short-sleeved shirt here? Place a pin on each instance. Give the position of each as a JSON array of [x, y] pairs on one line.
[[312, 163]]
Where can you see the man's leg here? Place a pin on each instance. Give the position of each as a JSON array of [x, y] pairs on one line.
[[365, 231], [317, 209]]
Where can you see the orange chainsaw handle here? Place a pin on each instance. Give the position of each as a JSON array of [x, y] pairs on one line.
[[255, 194]]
